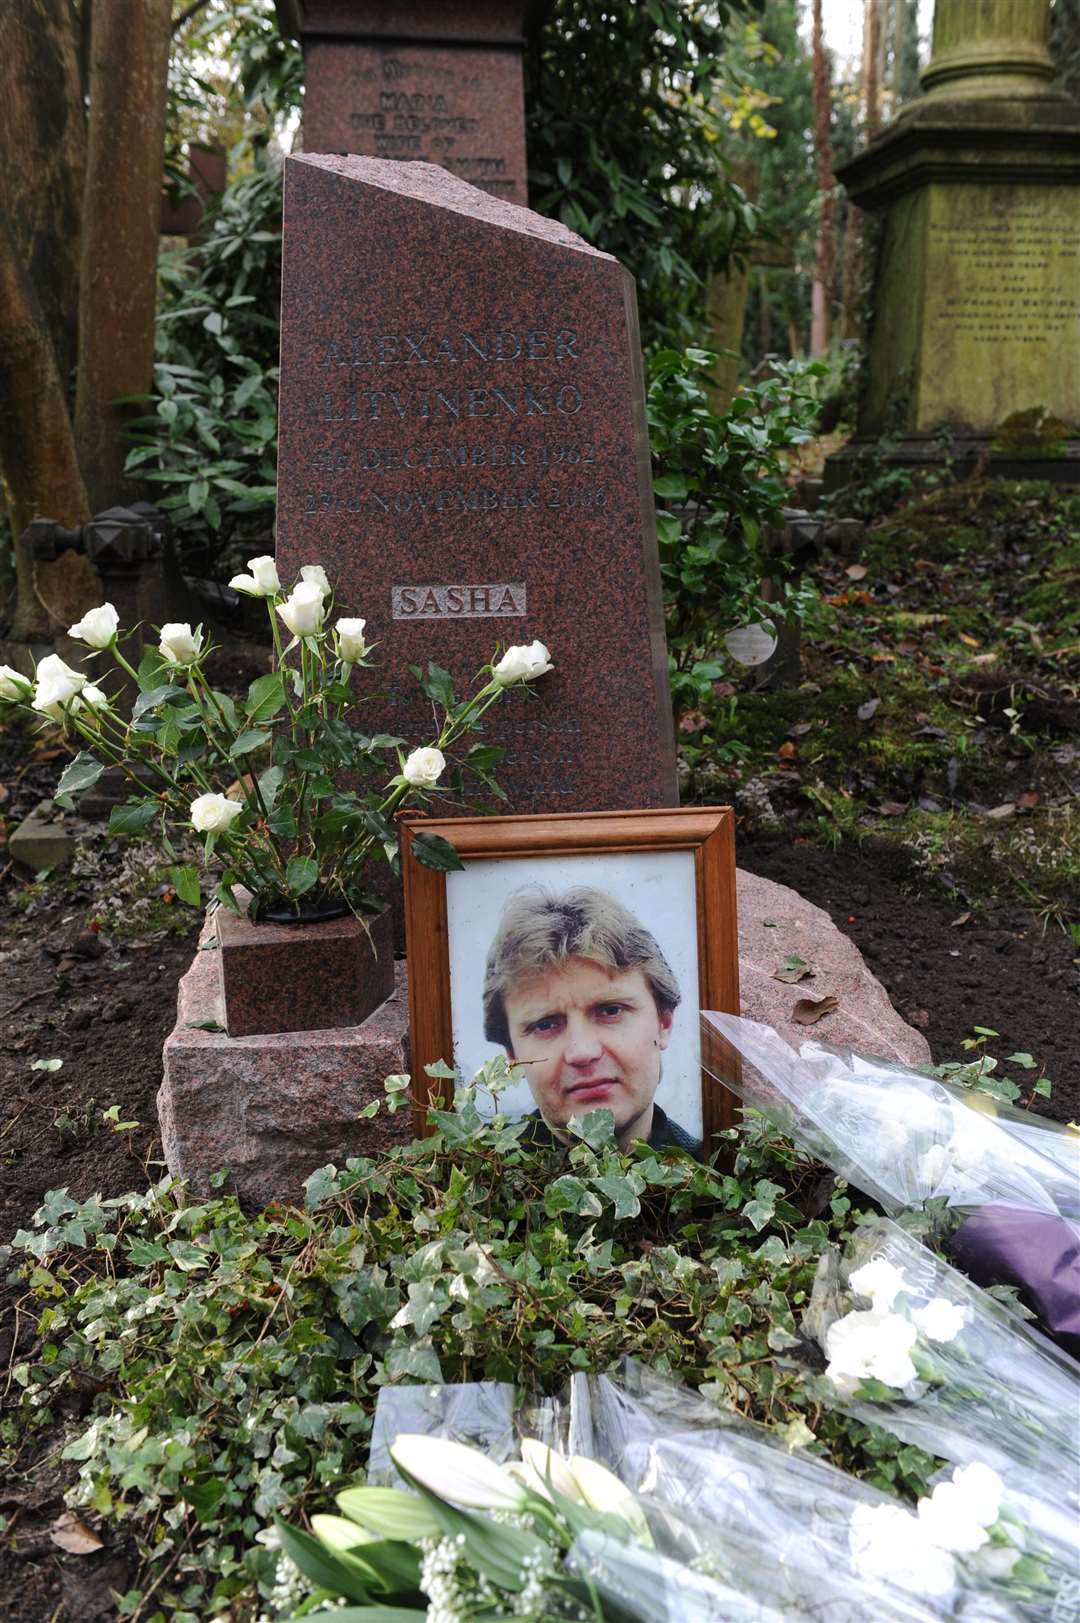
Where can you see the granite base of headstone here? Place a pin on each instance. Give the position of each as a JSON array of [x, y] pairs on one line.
[[273, 1109]]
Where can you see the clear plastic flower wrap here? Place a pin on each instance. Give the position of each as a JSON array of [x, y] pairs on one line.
[[717, 1491], [900, 1137], [915, 1347]]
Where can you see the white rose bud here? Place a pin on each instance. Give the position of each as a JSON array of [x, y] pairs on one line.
[[350, 640], [424, 768], [523, 664], [262, 581], [315, 574], [97, 627], [91, 697], [13, 684], [57, 685], [302, 610], [212, 814], [179, 644]]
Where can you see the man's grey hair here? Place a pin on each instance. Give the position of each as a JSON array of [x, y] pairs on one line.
[[539, 931]]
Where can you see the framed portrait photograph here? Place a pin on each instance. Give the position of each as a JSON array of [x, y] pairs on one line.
[[581, 947]]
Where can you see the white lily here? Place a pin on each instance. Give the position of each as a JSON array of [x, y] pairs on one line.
[[389, 1513], [603, 1491], [453, 1471]]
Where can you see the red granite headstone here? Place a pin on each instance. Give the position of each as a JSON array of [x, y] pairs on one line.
[[438, 81], [463, 447]]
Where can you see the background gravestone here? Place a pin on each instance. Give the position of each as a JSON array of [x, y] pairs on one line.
[[463, 447], [438, 81], [976, 313]]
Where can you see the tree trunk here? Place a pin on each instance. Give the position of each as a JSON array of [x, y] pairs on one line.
[[41, 120], [129, 55], [824, 249], [37, 450]]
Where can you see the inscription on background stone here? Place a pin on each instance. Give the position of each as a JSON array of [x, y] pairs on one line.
[[434, 81], [461, 402]]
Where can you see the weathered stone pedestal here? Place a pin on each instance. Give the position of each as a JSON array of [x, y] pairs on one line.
[[273, 1108], [975, 346]]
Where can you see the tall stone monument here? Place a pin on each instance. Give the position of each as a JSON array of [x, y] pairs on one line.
[[975, 343], [437, 81], [463, 447]]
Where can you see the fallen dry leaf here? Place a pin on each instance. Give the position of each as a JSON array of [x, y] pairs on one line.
[[867, 711], [1027, 800], [971, 642], [792, 973], [800, 727], [963, 918], [855, 571], [809, 1010], [998, 814], [786, 750], [893, 808], [73, 1535]]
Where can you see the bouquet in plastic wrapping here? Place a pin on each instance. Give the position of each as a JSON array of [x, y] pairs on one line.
[[647, 1506], [915, 1347], [1008, 1183]]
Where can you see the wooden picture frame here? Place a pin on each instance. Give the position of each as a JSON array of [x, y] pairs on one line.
[[706, 833]]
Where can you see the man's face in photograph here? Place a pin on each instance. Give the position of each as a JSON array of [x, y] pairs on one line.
[[588, 1038]]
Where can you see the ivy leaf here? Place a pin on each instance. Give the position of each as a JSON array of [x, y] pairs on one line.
[[621, 1191], [301, 874], [570, 1194]]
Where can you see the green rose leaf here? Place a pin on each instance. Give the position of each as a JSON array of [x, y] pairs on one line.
[[301, 874], [266, 695], [186, 885], [133, 818], [250, 740], [152, 698], [434, 852], [79, 775]]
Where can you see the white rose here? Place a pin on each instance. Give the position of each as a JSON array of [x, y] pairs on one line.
[[302, 610], [179, 644], [97, 627], [879, 1280], [57, 685], [315, 575], [350, 640], [212, 814], [887, 1543], [424, 768], [983, 1489], [875, 1345], [261, 580], [13, 684], [523, 664], [939, 1320], [947, 1519]]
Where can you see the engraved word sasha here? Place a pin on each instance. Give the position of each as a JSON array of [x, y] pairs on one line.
[[457, 602]]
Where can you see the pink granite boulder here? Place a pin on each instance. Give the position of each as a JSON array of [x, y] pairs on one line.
[[774, 923]]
